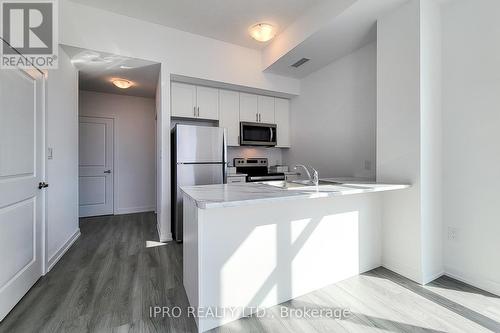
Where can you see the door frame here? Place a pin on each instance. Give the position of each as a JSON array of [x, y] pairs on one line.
[[44, 226], [114, 118]]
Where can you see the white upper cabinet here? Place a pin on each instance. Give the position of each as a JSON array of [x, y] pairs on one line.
[[183, 100], [266, 109], [249, 109], [229, 117], [190, 101], [207, 100], [282, 115], [230, 108]]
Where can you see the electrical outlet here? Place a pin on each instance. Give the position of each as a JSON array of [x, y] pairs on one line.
[[452, 233]]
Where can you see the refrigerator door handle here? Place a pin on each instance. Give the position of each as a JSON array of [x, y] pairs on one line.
[[224, 157]]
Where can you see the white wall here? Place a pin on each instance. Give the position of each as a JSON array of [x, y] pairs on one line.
[[179, 53], [409, 131], [398, 137], [333, 120], [62, 170], [431, 139], [471, 104], [134, 170]]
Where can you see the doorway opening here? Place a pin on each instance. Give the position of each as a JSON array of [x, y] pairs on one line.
[[117, 110]]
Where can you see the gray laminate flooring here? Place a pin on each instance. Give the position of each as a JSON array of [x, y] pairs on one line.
[[115, 272]]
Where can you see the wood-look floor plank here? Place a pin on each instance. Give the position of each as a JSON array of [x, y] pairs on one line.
[[109, 279]]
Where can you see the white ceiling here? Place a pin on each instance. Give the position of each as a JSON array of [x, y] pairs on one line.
[[226, 20], [352, 29], [97, 69]]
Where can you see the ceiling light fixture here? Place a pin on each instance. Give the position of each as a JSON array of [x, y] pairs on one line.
[[262, 32], [122, 83]]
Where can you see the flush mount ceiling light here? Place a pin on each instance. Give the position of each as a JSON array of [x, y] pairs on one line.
[[122, 83], [262, 32]]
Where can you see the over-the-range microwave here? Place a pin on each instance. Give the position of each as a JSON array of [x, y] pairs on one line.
[[257, 134]]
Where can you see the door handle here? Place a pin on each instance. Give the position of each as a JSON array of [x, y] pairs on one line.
[[107, 171], [42, 185]]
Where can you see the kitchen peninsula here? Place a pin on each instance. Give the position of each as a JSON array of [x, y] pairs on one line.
[[249, 246]]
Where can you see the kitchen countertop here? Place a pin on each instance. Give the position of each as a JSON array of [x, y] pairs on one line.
[[231, 195]]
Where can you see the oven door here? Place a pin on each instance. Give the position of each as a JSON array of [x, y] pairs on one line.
[[257, 134]]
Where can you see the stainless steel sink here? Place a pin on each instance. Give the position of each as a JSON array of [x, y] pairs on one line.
[[305, 185]]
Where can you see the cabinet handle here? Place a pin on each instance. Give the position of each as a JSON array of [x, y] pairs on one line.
[[257, 117], [194, 111], [260, 118], [198, 111]]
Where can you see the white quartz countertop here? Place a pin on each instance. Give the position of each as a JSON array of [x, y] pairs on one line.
[[231, 195]]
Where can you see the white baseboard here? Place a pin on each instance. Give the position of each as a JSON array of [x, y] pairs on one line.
[[131, 210], [167, 238], [484, 284], [433, 277], [62, 250], [402, 269]]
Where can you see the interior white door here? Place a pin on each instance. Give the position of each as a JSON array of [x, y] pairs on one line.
[[22, 128], [96, 166]]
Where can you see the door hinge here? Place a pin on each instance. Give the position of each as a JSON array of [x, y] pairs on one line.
[[42, 185]]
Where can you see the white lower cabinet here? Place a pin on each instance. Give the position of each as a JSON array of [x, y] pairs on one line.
[[229, 116], [282, 117]]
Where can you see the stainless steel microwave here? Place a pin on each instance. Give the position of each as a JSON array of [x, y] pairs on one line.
[[257, 134]]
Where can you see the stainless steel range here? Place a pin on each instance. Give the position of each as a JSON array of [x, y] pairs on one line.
[[256, 169]]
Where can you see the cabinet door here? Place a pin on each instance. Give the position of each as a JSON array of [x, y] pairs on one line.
[[282, 114], [207, 100], [248, 107], [229, 115], [183, 100], [266, 110]]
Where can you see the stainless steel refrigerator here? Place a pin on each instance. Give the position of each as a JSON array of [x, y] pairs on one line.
[[198, 158]]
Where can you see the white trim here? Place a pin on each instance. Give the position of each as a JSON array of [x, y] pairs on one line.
[[433, 277], [131, 210], [62, 250], [484, 284], [402, 269], [168, 237]]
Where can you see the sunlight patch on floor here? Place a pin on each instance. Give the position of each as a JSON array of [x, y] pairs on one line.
[[154, 244]]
